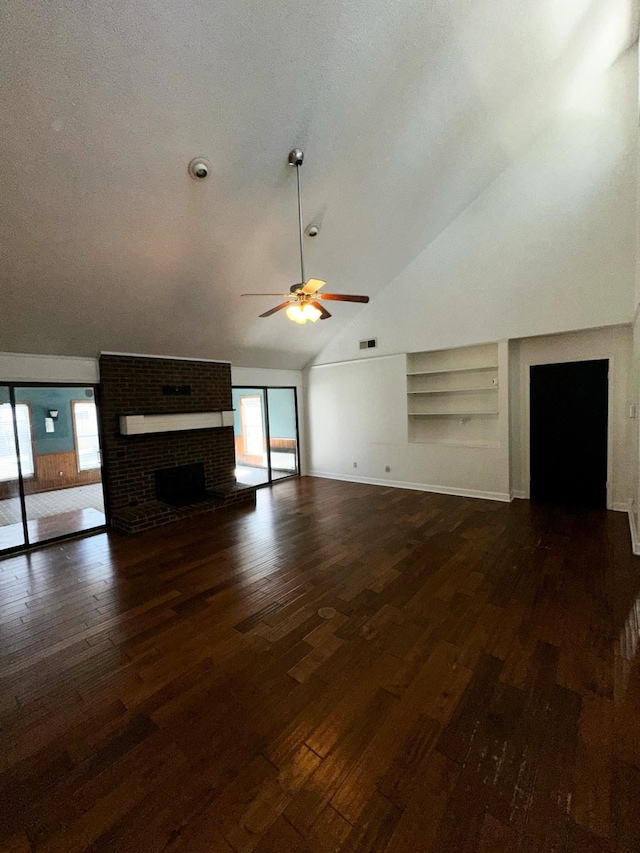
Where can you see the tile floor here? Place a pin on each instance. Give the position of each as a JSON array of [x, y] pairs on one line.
[[46, 504], [249, 476], [282, 465]]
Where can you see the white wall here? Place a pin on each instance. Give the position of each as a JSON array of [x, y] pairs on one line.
[[548, 247], [514, 416], [634, 511], [262, 376], [358, 413], [24, 367], [616, 344], [265, 376], [634, 466]]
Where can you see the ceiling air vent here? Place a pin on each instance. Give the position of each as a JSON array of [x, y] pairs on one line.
[[370, 344]]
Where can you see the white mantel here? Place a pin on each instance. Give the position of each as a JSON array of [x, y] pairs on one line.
[[144, 424]]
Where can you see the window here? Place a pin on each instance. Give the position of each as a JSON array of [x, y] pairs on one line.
[[252, 429], [8, 455], [85, 421]]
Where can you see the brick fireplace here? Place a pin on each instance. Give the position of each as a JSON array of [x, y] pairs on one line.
[[138, 385]]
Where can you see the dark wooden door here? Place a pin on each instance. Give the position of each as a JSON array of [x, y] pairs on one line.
[[569, 405]]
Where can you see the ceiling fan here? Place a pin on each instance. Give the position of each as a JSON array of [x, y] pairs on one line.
[[302, 300]]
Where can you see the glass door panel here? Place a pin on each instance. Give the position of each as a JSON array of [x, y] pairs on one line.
[[11, 526], [283, 432], [60, 454], [250, 436]]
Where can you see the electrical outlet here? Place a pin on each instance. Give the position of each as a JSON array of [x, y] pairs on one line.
[[387, 468]]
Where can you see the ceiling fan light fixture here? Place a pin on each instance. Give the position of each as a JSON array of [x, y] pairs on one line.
[[300, 313], [312, 313]]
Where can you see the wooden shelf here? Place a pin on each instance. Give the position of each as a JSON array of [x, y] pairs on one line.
[[449, 414], [456, 390], [447, 373], [146, 424], [453, 370], [453, 443]]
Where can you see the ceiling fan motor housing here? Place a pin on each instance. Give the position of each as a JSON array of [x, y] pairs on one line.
[[296, 157]]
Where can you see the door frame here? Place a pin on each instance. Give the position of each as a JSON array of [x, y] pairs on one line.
[[243, 424], [265, 389], [526, 420], [30, 546], [75, 434]]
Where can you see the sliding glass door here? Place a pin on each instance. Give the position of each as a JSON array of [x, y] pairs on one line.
[[12, 528], [266, 434], [250, 417], [283, 432], [50, 466]]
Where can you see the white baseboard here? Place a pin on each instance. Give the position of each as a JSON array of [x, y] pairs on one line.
[[635, 541], [615, 507], [619, 507], [417, 487]]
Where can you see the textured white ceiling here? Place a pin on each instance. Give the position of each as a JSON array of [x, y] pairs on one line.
[[406, 111]]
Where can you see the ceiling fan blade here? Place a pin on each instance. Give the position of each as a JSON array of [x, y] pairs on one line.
[[343, 297], [324, 314], [313, 285], [286, 295], [277, 308]]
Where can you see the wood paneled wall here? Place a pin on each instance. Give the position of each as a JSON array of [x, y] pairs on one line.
[[283, 445], [249, 459], [53, 471], [60, 471]]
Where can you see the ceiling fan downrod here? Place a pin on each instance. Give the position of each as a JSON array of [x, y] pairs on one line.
[[296, 158], [302, 300]]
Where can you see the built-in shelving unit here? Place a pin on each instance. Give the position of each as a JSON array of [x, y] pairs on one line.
[[452, 396], [448, 369]]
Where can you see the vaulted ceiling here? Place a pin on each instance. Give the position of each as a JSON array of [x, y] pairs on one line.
[[406, 111]]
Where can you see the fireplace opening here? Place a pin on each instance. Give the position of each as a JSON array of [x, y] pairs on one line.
[[181, 485]]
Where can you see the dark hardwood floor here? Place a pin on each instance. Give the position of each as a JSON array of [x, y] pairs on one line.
[[478, 688], [60, 524]]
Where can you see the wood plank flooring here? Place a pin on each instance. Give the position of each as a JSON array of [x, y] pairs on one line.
[[59, 524], [478, 688]]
